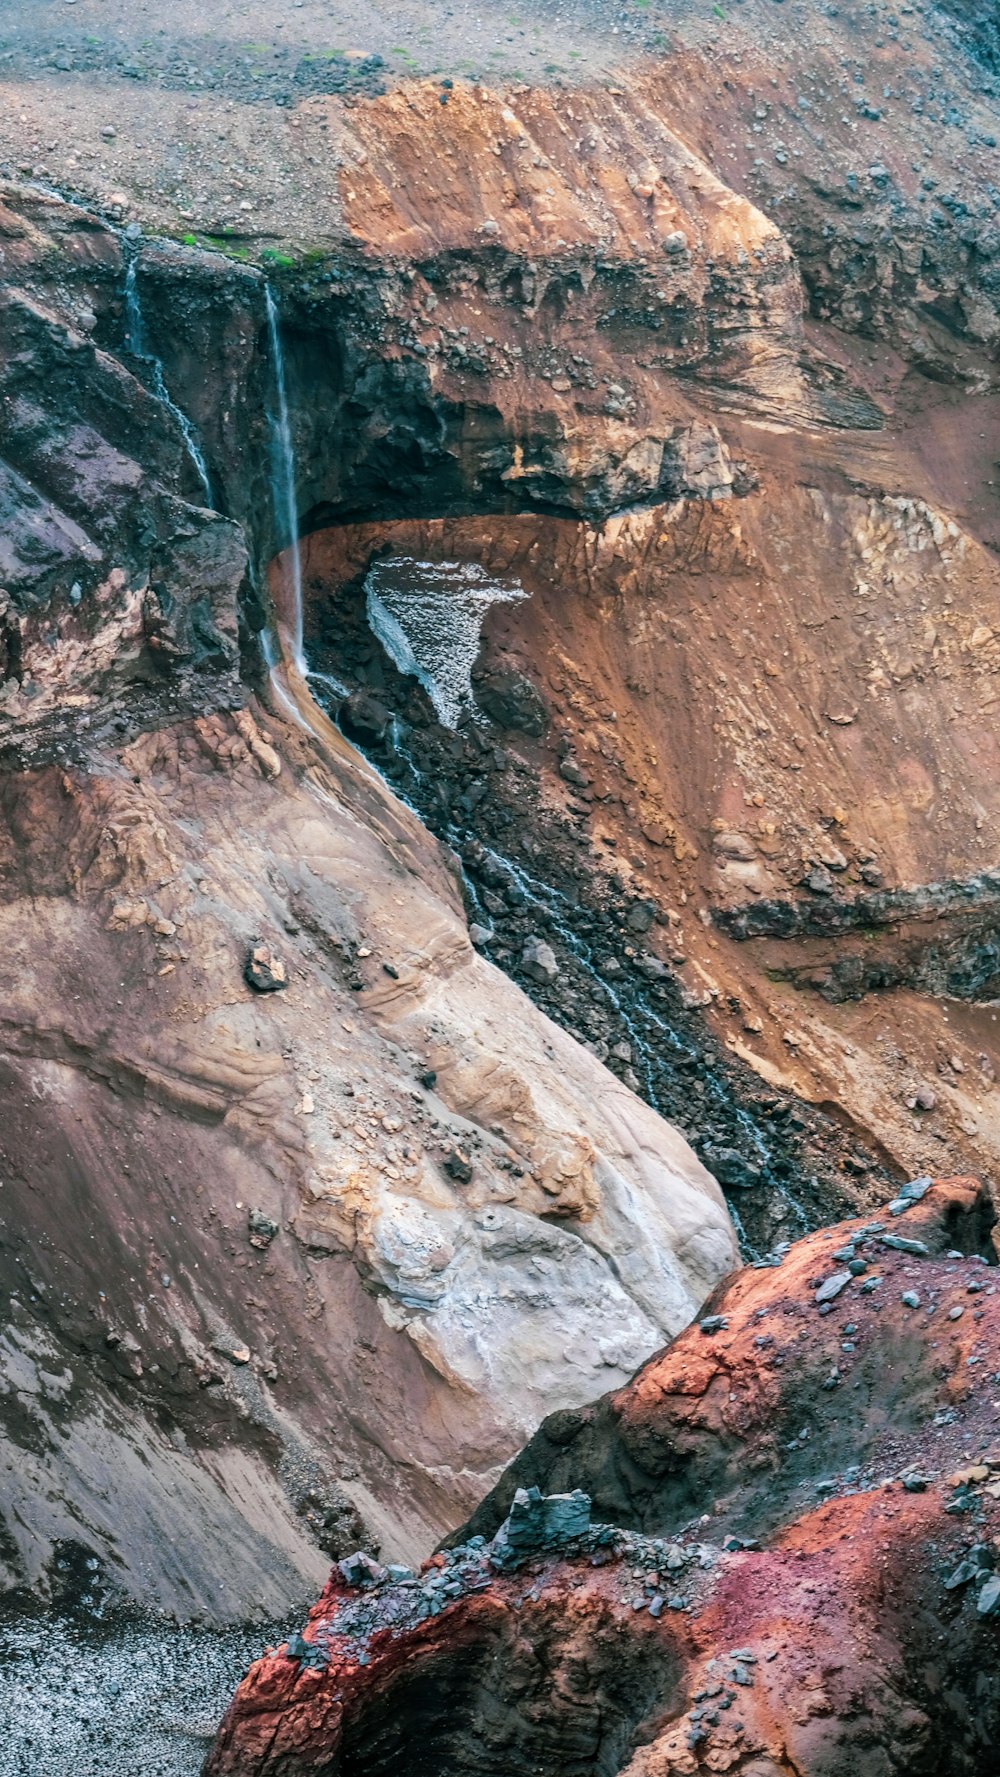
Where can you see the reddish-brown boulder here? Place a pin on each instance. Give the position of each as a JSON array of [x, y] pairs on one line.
[[790, 1567]]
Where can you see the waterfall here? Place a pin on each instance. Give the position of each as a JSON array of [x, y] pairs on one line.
[[283, 476], [429, 617], [139, 348]]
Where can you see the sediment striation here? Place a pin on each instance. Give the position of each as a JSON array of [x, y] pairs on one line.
[[378, 1089]]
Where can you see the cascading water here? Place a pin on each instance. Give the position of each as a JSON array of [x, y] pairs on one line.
[[428, 617], [283, 489], [139, 348]]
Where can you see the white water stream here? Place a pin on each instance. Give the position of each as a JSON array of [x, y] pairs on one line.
[[283, 488], [138, 345], [428, 617]]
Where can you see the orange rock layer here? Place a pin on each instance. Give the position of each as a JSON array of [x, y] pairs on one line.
[[845, 1426]]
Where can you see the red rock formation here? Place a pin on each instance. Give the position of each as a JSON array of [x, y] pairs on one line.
[[838, 1410]]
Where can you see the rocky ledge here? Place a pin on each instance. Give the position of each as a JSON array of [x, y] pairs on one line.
[[783, 1560]]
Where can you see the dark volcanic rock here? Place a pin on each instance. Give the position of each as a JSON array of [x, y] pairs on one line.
[[848, 1626], [511, 701], [264, 971]]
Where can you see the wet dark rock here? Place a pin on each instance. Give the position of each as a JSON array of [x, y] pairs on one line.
[[731, 1168], [363, 718]]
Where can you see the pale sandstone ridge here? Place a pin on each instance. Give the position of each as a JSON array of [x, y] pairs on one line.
[[401, 1331]]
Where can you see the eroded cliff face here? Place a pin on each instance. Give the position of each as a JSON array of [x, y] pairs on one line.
[[317, 1261], [329, 1239]]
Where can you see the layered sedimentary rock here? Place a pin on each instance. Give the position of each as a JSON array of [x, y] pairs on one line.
[[789, 1566], [712, 409], [356, 1216]]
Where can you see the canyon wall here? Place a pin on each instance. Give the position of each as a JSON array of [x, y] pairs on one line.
[[316, 1261]]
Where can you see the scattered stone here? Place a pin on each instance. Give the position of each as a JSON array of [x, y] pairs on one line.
[[540, 1521], [819, 880], [458, 1165], [963, 1573], [511, 701], [298, 1648], [538, 961], [640, 916], [360, 1569], [908, 1195], [364, 719], [737, 846], [730, 1168], [713, 1323], [262, 1229], [833, 1286], [910, 1299], [574, 774], [264, 970]]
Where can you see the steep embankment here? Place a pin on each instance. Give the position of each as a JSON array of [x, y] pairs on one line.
[[789, 1568]]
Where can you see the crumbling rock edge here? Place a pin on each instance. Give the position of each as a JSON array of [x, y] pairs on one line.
[[848, 1623]]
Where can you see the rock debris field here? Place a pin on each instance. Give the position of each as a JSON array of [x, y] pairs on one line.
[[115, 1698]]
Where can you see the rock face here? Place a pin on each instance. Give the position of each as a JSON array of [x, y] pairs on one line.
[[297, 1269], [787, 1563], [116, 583], [399, 1318]]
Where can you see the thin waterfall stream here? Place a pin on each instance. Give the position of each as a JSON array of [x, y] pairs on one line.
[[139, 347], [283, 478]]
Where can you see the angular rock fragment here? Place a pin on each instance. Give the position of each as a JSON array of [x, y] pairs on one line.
[[264, 970]]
